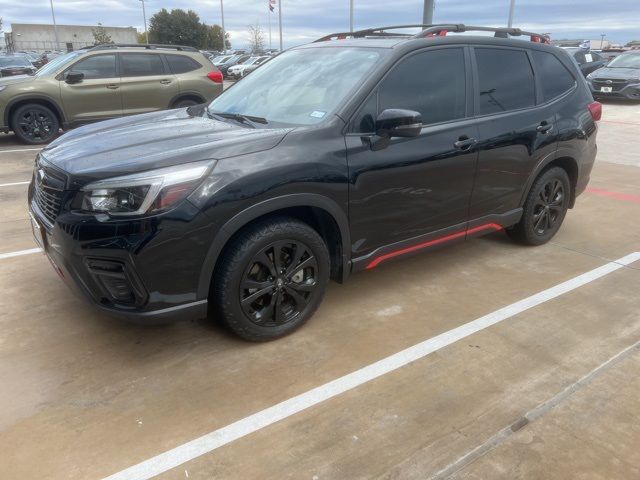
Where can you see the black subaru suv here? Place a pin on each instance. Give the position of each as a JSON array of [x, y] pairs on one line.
[[335, 157]]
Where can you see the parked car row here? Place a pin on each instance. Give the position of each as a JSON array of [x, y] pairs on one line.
[[620, 78], [104, 82], [16, 64]]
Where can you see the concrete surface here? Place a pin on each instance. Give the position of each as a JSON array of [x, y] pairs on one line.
[[85, 396]]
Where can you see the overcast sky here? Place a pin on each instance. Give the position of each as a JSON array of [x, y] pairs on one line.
[[305, 20]]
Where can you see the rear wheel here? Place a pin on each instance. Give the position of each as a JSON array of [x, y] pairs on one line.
[[185, 102], [271, 279], [544, 209], [34, 124]]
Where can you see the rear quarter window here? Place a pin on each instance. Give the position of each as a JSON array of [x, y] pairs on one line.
[[554, 77], [182, 64]]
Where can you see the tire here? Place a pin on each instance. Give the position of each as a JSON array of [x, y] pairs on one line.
[[34, 124], [544, 209], [252, 298], [185, 102]]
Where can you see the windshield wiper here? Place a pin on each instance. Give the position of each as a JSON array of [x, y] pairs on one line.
[[246, 119]]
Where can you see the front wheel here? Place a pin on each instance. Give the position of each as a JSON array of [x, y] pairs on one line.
[[544, 209], [34, 124], [272, 279]]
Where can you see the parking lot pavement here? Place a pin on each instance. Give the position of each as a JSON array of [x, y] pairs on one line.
[[86, 396]]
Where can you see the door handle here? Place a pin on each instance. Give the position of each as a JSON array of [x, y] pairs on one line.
[[465, 143], [544, 127], [165, 82], [112, 86]]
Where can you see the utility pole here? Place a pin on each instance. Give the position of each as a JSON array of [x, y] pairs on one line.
[[224, 35], [144, 17], [280, 21], [602, 35], [351, 15], [427, 13], [512, 7], [55, 27]]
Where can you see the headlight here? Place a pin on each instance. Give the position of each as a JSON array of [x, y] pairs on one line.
[[143, 193]]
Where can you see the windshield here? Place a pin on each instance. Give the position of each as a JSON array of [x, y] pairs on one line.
[[56, 63], [299, 87], [625, 61], [250, 61], [17, 61]]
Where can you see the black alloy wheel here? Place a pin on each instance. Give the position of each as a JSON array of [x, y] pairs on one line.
[[544, 208], [278, 283], [35, 124], [271, 278], [548, 207]]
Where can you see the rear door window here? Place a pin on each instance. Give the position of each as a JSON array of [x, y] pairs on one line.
[[554, 77], [141, 65], [505, 80]]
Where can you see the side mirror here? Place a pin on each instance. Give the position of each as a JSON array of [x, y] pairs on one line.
[[396, 122], [73, 77]]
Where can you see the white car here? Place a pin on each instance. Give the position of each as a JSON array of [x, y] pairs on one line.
[[237, 71]]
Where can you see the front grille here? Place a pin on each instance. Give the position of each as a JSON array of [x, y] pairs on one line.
[[615, 84], [48, 189]]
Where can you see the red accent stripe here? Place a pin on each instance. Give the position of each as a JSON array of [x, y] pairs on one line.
[[376, 261], [626, 197]]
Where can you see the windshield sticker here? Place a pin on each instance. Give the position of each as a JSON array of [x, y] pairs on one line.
[[317, 114]]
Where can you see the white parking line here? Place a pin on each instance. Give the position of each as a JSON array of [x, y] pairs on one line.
[[218, 438], [12, 184], [19, 253], [21, 150]]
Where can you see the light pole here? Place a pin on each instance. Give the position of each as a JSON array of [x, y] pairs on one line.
[[602, 35], [427, 13], [55, 27], [351, 15], [224, 39], [512, 7], [144, 17], [280, 21]]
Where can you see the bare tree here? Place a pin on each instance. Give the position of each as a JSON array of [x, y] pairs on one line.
[[256, 38]]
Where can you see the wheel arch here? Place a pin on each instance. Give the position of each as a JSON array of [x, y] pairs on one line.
[[567, 163], [186, 95], [320, 212], [43, 100]]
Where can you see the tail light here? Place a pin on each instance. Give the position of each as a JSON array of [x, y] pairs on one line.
[[215, 77], [595, 109]]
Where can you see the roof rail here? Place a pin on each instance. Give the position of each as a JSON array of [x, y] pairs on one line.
[[146, 46], [435, 30]]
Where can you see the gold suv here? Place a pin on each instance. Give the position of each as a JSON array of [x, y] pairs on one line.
[[104, 82]]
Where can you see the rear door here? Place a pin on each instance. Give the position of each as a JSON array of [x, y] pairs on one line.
[[97, 96], [517, 130], [147, 84]]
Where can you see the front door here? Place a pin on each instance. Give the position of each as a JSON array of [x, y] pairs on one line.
[[416, 189], [147, 85], [97, 95]]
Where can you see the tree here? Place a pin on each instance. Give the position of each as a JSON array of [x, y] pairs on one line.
[[141, 37], [177, 28], [213, 38], [256, 38], [100, 35]]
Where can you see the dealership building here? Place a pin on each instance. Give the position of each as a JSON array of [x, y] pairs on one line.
[[39, 38]]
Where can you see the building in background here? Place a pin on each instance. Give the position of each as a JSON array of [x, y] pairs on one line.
[[40, 38]]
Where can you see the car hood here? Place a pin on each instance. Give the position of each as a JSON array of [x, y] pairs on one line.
[[616, 73], [16, 78], [154, 140]]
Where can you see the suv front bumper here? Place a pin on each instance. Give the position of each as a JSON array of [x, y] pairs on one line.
[[144, 271], [630, 91]]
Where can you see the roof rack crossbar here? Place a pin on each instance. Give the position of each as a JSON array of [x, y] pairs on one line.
[[432, 30], [146, 46]]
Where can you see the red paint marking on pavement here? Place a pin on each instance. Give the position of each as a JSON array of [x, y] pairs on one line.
[[621, 123], [625, 197]]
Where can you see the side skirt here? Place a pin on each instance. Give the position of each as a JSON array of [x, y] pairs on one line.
[[445, 236]]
